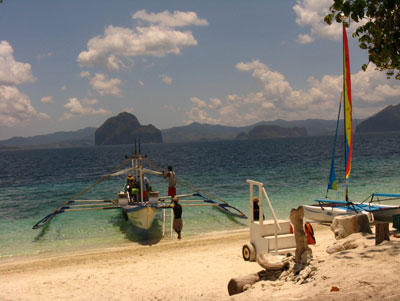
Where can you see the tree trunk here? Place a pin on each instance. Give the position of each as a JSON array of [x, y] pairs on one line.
[[296, 218]]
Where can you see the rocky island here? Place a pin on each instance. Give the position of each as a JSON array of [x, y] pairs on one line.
[[124, 129]]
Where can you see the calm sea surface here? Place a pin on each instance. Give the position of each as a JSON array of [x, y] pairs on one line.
[[294, 171]]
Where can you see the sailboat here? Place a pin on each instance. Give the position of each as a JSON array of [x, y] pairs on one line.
[[326, 210]]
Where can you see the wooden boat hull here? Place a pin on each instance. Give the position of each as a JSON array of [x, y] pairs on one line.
[[141, 216]]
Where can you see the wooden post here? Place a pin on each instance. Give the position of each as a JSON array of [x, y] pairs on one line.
[[381, 232]]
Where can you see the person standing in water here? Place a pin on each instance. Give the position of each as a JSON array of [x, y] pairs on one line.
[[177, 223]]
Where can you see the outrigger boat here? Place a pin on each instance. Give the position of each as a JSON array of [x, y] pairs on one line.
[[326, 210], [141, 212]]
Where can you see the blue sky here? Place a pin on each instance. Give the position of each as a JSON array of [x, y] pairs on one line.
[[66, 65]]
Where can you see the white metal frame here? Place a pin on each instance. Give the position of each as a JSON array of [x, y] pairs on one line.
[[261, 194]]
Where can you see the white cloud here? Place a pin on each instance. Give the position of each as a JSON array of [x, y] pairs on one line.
[[104, 85], [155, 40], [11, 71], [84, 74], [175, 19], [15, 107], [305, 39], [166, 79], [89, 101], [47, 99], [276, 98], [311, 13], [75, 108]]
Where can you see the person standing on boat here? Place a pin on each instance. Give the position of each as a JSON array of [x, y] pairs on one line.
[[130, 181], [171, 181], [146, 184], [177, 223]]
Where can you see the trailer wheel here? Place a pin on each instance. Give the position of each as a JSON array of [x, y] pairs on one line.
[[248, 252]]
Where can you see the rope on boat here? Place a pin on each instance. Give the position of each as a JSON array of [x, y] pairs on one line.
[[48, 217]]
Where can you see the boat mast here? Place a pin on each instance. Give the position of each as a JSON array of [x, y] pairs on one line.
[[347, 110], [346, 192]]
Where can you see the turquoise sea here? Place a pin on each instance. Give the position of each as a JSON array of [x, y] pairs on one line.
[[294, 171]]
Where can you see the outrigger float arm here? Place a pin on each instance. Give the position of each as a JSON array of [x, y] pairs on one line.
[[64, 206], [220, 204]]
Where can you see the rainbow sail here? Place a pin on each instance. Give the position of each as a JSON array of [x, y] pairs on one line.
[[348, 122]]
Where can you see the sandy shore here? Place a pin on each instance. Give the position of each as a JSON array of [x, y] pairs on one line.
[[199, 269]]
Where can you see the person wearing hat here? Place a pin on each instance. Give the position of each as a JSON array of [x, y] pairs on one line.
[[130, 183], [256, 210], [177, 223]]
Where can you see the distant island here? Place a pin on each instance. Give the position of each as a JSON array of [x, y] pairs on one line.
[[273, 131], [123, 128], [83, 137]]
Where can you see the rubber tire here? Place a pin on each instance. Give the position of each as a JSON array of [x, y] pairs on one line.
[[248, 252]]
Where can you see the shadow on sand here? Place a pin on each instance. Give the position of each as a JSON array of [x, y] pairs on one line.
[[135, 234]]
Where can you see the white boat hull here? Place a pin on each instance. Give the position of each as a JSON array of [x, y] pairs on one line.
[[141, 216], [327, 214]]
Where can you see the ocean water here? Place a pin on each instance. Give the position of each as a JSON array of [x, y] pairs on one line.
[[294, 171]]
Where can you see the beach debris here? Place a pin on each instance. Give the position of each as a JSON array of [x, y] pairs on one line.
[[344, 225], [353, 241], [296, 218]]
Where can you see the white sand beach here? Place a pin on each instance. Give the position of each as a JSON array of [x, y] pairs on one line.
[[199, 269]]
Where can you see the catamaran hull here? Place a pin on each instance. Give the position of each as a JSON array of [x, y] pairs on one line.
[[141, 216], [327, 214], [383, 213], [386, 212]]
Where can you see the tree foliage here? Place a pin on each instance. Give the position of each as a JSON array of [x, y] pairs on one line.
[[380, 35]]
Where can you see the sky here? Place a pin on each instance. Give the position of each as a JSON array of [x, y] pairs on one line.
[[67, 65]]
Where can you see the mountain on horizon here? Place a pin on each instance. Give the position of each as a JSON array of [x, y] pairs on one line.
[[81, 137], [387, 120], [208, 132]]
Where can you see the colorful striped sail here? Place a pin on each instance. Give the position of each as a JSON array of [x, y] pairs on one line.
[[348, 123]]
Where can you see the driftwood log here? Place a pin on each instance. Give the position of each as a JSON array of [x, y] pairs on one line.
[[237, 285], [296, 218], [272, 262], [343, 226]]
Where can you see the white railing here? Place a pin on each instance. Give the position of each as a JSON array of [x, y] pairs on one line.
[[262, 192]]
